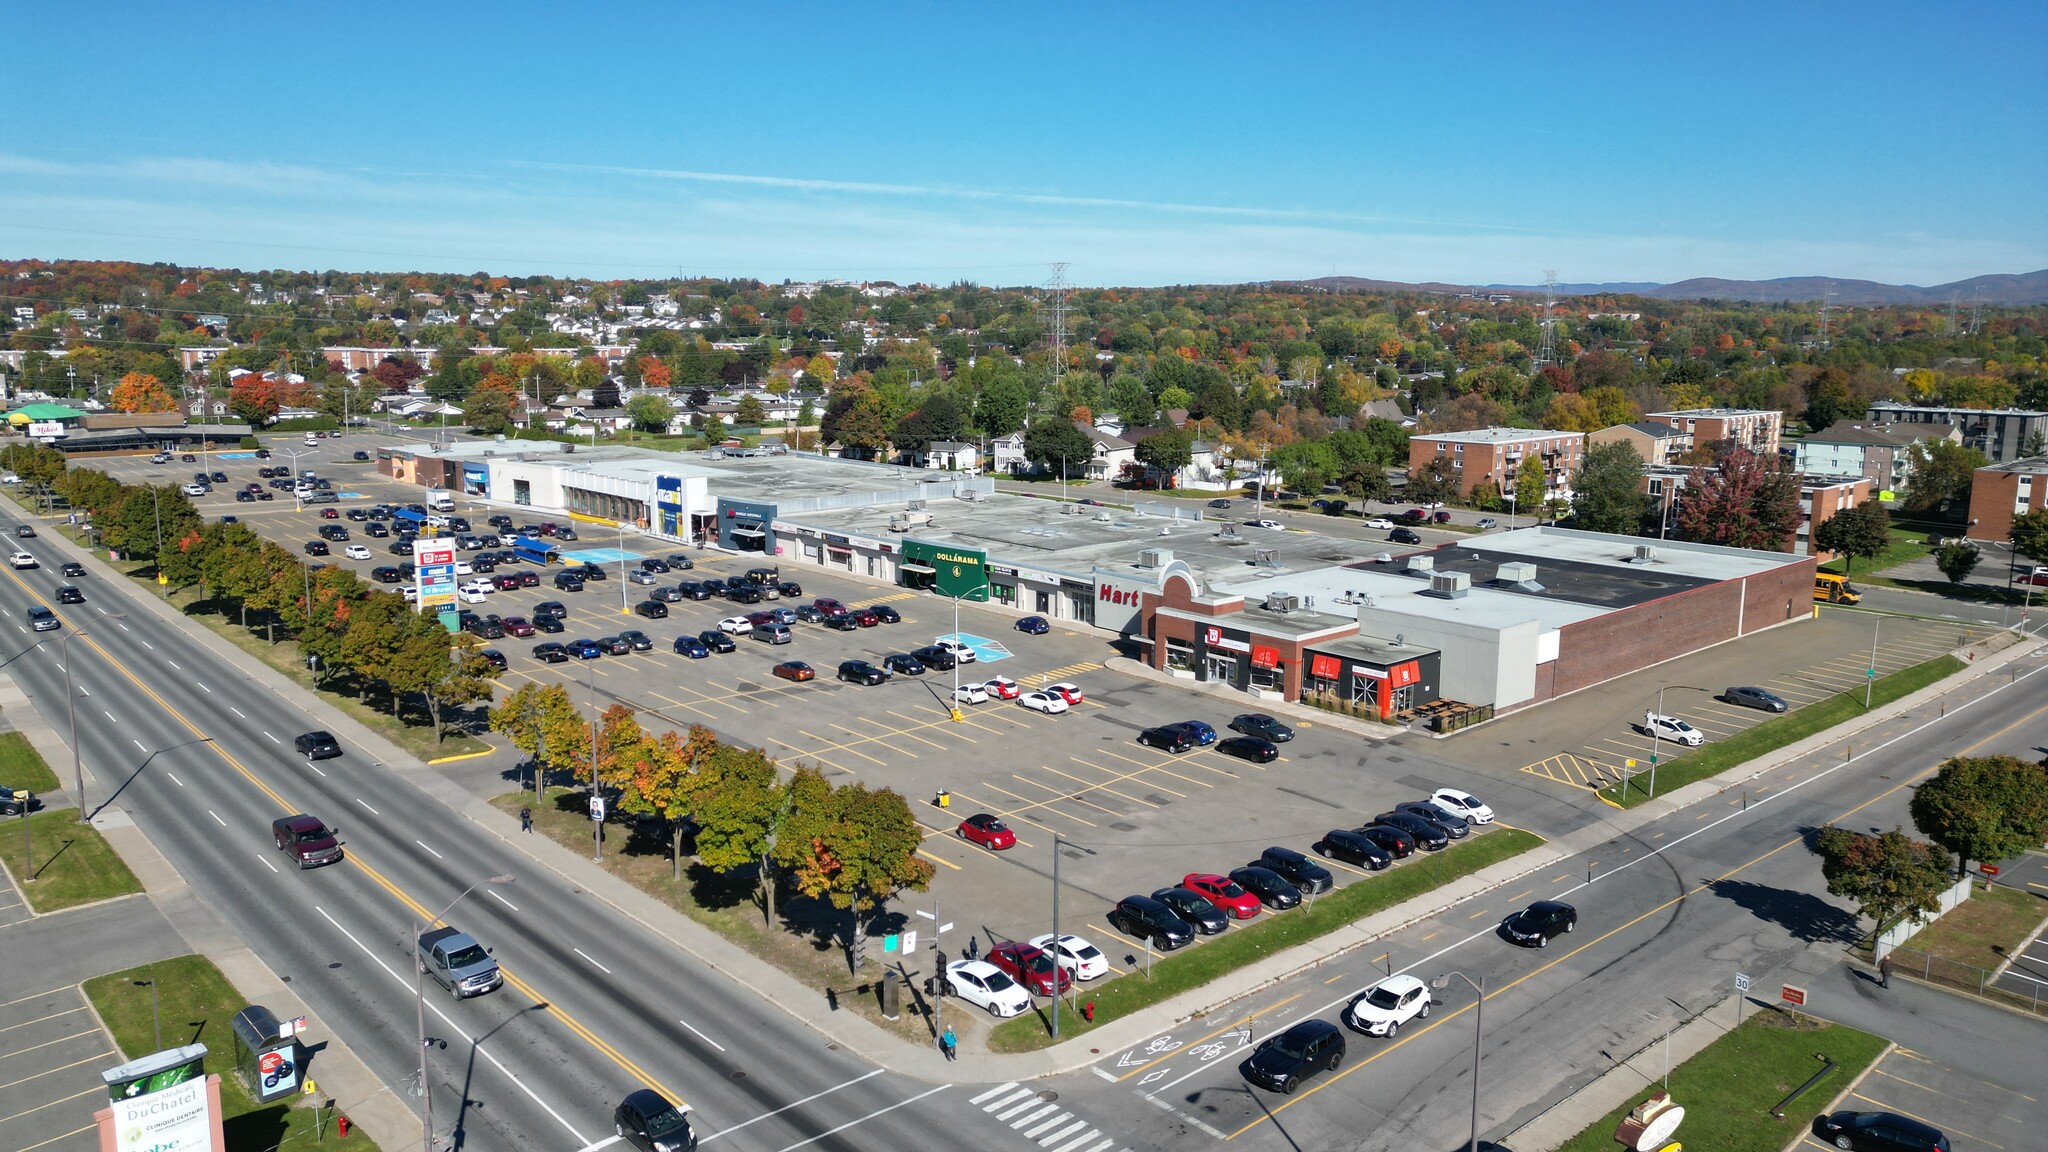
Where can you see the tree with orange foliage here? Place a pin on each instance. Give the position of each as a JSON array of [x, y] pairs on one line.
[[254, 398], [655, 374], [141, 392]]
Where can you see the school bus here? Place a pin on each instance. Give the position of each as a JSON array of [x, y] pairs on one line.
[[1829, 588]]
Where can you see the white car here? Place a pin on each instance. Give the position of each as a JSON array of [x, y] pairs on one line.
[[736, 626], [984, 985], [464, 568], [1463, 805], [1269, 525], [195, 489], [356, 552], [410, 592], [962, 653], [469, 596], [1387, 1005], [1044, 702], [970, 694], [10, 478], [508, 539], [480, 586], [22, 560], [1380, 522], [1076, 955], [1670, 728]]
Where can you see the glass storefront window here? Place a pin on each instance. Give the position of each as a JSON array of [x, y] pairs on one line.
[[1268, 679], [1180, 655]]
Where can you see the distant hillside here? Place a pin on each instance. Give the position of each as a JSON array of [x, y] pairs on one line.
[[1998, 289]]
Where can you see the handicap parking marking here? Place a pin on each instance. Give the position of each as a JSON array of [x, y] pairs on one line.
[[986, 651]]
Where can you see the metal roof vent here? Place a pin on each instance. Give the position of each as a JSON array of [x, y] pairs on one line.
[[1644, 554], [1518, 574], [1421, 564], [1449, 585], [1154, 557], [1282, 602]]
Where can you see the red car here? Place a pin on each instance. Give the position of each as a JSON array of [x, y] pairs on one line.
[[528, 579], [505, 582], [986, 830], [516, 625], [1071, 693], [1003, 688], [865, 617], [330, 513], [795, 670], [1030, 967], [1225, 893], [829, 606]]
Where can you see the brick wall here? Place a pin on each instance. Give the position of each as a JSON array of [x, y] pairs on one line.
[[1592, 651], [1992, 495]]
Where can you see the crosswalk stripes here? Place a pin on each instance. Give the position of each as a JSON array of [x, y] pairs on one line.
[[1042, 679], [1042, 1122]]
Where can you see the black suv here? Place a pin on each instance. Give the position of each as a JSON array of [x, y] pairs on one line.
[[1170, 738], [861, 672], [647, 1121], [1194, 908], [1284, 1061], [1299, 870], [1352, 848], [1145, 917], [569, 581], [651, 609], [1396, 842], [1427, 834], [317, 745]]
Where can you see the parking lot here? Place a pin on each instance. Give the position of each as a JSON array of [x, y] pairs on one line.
[[1975, 1115]]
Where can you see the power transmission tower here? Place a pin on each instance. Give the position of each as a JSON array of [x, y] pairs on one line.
[[1546, 353], [1952, 298], [1056, 295], [1826, 299], [1976, 311]]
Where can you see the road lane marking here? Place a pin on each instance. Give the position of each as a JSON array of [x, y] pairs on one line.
[[109, 716], [864, 1119], [236, 711], [216, 818], [372, 811], [429, 851], [140, 745], [272, 739], [174, 779], [266, 861], [703, 1037], [586, 956], [84, 691], [502, 900], [174, 664], [201, 685]]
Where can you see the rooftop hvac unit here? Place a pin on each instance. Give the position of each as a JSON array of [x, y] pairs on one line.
[[1282, 602], [1101, 517], [1644, 554], [1449, 585], [1154, 557], [917, 505], [1070, 509], [1422, 564], [1266, 557]]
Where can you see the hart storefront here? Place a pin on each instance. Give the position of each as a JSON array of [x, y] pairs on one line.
[[947, 570]]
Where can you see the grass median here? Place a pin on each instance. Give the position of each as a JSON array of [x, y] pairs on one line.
[[196, 1004], [1778, 732], [1730, 1087], [1197, 965], [72, 863], [21, 766]]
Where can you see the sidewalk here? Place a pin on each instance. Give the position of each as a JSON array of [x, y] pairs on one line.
[[871, 1042]]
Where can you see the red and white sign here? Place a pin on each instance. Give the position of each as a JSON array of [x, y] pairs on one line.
[[433, 554], [1792, 994], [1213, 637]]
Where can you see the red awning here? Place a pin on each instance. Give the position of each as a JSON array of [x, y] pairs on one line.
[[1324, 667], [1264, 657]]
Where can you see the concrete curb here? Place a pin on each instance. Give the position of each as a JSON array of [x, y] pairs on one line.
[[1835, 1101], [1632, 1076]]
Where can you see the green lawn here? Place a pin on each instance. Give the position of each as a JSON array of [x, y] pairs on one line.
[[73, 863], [196, 1004], [1729, 1089], [21, 766], [1195, 966], [1907, 542], [1984, 930], [1778, 732]]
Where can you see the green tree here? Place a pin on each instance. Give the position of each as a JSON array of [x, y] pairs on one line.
[[1368, 481], [542, 722], [1438, 481], [1129, 398], [1174, 396], [1888, 875], [1165, 453], [750, 412], [739, 810], [1745, 501], [489, 411], [650, 412], [1984, 808], [1607, 492], [1529, 485], [1053, 439], [662, 780], [2029, 535], [1000, 408], [1957, 559], [1940, 476], [1863, 531], [711, 426]]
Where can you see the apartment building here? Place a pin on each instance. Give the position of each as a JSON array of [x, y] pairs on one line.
[[2002, 492], [1756, 429], [1881, 453], [2001, 434], [1495, 455]]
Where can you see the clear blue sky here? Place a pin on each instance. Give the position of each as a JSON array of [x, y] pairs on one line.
[[1143, 144]]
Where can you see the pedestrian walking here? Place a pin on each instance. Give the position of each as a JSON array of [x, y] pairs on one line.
[[948, 1043], [1884, 971], [526, 819], [973, 948]]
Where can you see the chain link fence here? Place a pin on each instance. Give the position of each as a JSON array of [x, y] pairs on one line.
[[1970, 978]]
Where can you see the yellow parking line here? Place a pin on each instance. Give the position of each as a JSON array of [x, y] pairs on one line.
[[1041, 805], [1077, 798], [940, 859], [1948, 1129], [1092, 786]]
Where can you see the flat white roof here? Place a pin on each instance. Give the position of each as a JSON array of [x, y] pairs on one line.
[[1496, 435]]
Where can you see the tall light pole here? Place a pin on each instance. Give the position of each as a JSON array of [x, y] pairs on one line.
[[953, 705], [939, 985], [1478, 1042], [623, 610], [71, 708], [596, 788], [1653, 729], [1870, 674], [419, 996]]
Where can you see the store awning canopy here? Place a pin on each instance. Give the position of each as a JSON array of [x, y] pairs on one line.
[[925, 569], [750, 533], [1264, 657]]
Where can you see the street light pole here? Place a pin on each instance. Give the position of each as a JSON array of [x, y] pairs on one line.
[[1654, 730], [419, 997], [1870, 674], [623, 610], [71, 709], [1478, 1043], [596, 789]]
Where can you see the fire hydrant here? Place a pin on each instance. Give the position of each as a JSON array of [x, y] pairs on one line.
[[341, 1125], [1088, 1011]]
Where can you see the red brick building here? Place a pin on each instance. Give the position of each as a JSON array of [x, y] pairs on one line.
[[1493, 456]]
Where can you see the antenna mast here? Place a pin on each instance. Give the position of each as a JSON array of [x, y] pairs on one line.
[[1056, 295], [1826, 299], [1547, 352]]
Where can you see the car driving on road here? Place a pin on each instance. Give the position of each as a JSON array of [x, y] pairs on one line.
[[1383, 1008]]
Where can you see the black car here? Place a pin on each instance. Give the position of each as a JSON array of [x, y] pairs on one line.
[[861, 672], [1755, 698], [1263, 726], [568, 582], [886, 614], [494, 658], [376, 530], [1427, 834], [713, 586], [1166, 739], [647, 1121], [1879, 1132], [1393, 839], [637, 640], [717, 641], [933, 656], [743, 593], [693, 590], [904, 663], [1348, 846], [243, 496], [590, 572], [317, 548], [551, 652], [790, 589], [1535, 925], [399, 547], [359, 456], [317, 745], [841, 623], [69, 595], [72, 570], [486, 628], [1194, 908], [1272, 889], [334, 532], [1250, 748], [551, 608], [651, 609], [549, 623], [358, 515], [9, 806], [219, 477], [1296, 869], [1404, 536], [1144, 917], [653, 564], [1282, 1062], [1454, 827]]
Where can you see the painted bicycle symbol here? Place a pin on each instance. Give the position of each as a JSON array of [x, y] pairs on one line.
[[1206, 1052], [1162, 1045]]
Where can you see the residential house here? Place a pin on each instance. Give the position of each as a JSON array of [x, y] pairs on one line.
[[952, 455], [1494, 456], [1108, 454], [1883, 453], [1006, 454], [1655, 442]]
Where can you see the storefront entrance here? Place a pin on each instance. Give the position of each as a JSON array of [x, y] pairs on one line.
[[1220, 667]]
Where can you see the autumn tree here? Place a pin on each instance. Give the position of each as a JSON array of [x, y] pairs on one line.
[[141, 392], [1607, 490], [659, 778], [1957, 559], [1889, 875], [254, 398], [1984, 808], [654, 373], [739, 810], [488, 411], [856, 848], [1745, 501], [542, 722], [1864, 531]]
